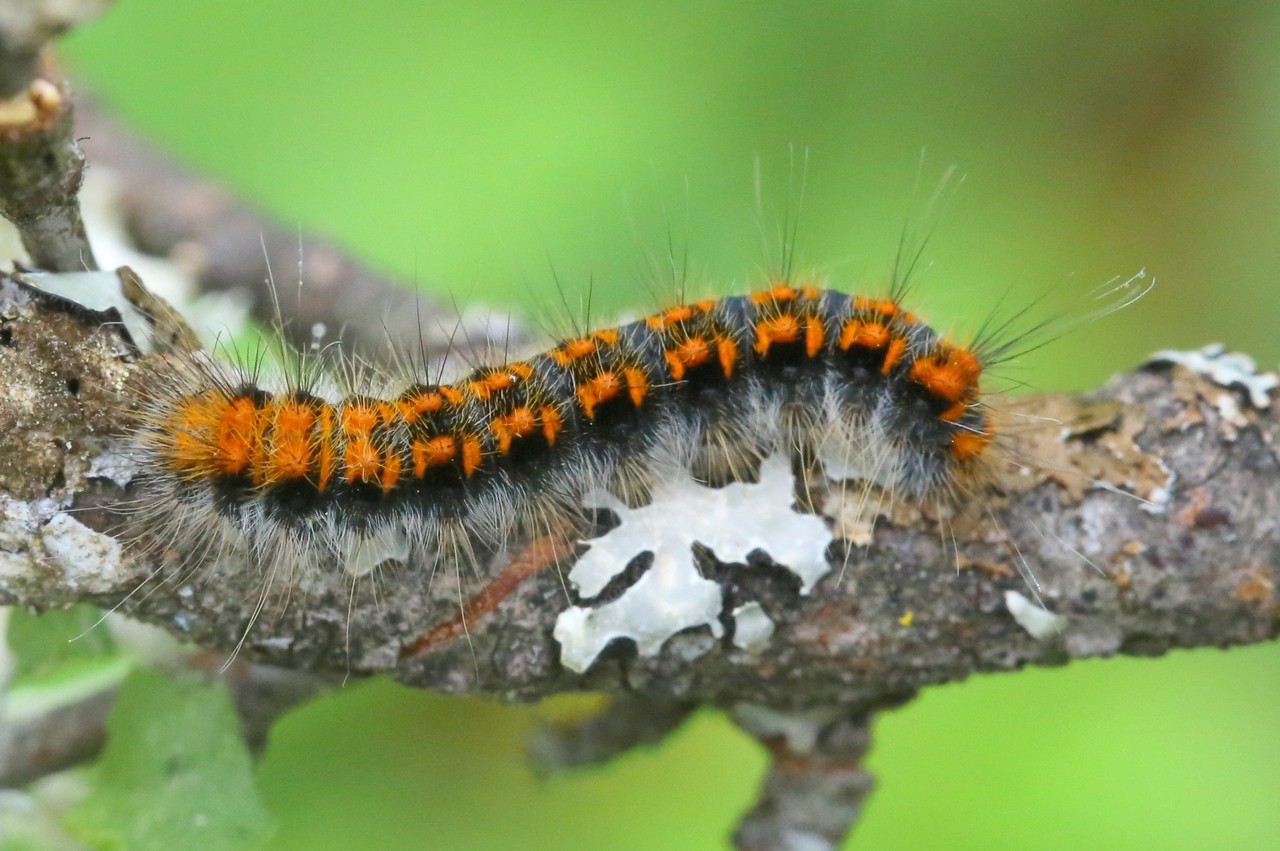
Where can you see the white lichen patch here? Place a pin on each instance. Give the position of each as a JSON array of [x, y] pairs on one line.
[[1227, 369], [1229, 410], [672, 596], [1039, 622], [88, 560], [37, 540], [115, 466], [752, 627]]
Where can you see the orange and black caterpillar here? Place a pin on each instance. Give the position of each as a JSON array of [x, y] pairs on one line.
[[303, 478]]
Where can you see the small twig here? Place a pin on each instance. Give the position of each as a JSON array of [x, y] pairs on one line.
[[66, 736], [816, 786], [626, 721], [73, 734], [41, 166], [27, 26]]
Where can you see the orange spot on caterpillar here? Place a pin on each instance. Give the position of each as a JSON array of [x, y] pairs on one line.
[[637, 385], [681, 313], [951, 376], [864, 335], [471, 453], [519, 423], [777, 292], [596, 390], [198, 419], [607, 336], [968, 445], [572, 350], [433, 452], [498, 379], [237, 435], [673, 316], [897, 348], [779, 329], [875, 336], [291, 453], [391, 471], [415, 403], [814, 336], [360, 461], [690, 353], [727, 351], [490, 384], [358, 419], [886, 308], [293, 417], [552, 424], [324, 439]]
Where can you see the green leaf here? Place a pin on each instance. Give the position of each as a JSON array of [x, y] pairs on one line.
[[175, 772], [47, 644]]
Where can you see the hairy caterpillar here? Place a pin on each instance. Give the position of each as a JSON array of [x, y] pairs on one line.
[[306, 473], [708, 385]]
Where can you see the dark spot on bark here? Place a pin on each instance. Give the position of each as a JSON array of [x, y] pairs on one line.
[[1211, 518], [619, 650], [618, 585]]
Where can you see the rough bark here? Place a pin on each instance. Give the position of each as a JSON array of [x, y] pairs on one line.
[[1148, 516], [41, 168], [1192, 567]]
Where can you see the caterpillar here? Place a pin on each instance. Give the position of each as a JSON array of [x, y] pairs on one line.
[[711, 386], [307, 473]]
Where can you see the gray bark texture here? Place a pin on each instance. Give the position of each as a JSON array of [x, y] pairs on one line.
[[1147, 514], [1190, 564]]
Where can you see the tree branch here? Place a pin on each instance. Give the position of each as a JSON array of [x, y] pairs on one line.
[[75, 732], [1192, 563], [41, 166]]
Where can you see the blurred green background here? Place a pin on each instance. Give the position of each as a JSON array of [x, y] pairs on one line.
[[464, 145]]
